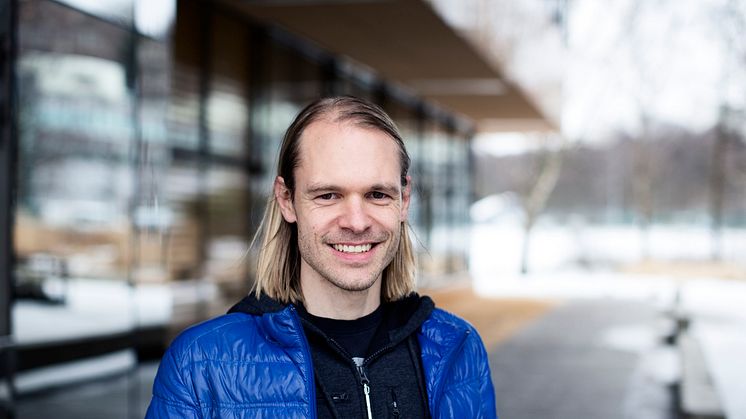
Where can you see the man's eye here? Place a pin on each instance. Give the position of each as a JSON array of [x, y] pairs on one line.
[[378, 195], [326, 196]]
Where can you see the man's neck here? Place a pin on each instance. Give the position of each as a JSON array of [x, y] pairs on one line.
[[323, 299]]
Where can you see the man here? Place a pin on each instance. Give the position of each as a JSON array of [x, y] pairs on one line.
[[333, 327]]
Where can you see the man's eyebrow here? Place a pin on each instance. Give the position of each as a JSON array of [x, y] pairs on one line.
[[321, 187], [389, 188]]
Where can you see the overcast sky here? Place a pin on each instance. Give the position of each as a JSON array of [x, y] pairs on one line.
[[676, 61], [667, 58]]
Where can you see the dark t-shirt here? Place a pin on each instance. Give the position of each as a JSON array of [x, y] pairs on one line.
[[354, 336]]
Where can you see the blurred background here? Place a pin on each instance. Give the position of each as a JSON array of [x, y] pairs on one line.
[[579, 171]]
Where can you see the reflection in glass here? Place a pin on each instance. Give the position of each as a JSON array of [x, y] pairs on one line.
[[227, 98], [118, 11], [184, 106], [75, 183], [228, 233], [75, 179], [154, 17], [290, 82]]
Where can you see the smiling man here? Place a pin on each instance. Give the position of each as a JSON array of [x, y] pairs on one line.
[[333, 327]]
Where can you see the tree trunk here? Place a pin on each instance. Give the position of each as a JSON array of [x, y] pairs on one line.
[[717, 191], [536, 199]]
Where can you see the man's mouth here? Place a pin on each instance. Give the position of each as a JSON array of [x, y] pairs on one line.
[[360, 248]]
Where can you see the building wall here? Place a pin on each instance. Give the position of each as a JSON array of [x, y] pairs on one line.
[[145, 161]]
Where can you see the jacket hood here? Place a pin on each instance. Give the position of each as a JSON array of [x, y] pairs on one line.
[[402, 317], [250, 304], [406, 315]]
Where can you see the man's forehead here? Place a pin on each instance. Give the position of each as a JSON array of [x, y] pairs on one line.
[[342, 156], [336, 123], [319, 133]]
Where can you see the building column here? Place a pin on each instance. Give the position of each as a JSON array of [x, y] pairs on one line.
[[8, 157]]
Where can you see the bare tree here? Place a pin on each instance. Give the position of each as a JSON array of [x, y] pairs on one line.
[[647, 58], [642, 184], [547, 168], [730, 21], [717, 189]]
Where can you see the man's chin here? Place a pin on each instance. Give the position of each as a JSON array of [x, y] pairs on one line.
[[352, 284]]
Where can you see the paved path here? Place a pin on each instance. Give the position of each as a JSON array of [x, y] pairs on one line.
[[587, 359], [124, 396]]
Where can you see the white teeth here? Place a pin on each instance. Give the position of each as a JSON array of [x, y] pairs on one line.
[[352, 249]]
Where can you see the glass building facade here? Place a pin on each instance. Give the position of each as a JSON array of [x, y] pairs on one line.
[[139, 145]]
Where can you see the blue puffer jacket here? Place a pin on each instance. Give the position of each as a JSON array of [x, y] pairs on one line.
[[244, 365]]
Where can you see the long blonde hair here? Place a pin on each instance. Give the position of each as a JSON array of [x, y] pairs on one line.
[[278, 266]]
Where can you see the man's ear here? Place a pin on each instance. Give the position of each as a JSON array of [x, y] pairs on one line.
[[406, 194], [284, 199]]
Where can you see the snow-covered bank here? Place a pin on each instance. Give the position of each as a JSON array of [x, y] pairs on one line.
[[496, 247]]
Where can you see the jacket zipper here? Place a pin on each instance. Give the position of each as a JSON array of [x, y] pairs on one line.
[[394, 404], [360, 364], [365, 383]]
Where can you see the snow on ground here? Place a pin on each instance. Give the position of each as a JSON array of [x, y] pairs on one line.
[[715, 307], [496, 247]]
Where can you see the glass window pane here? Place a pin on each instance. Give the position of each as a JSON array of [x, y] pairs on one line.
[[227, 100], [117, 11], [290, 81], [184, 107], [228, 234], [75, 185]]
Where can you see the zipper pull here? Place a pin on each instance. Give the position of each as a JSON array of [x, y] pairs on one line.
[[364, 382], [395, 405], [366, 390]]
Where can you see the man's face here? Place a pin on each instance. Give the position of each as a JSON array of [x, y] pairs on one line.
[[348, 204]]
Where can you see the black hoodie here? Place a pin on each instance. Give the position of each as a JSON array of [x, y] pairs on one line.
[[392, 370]]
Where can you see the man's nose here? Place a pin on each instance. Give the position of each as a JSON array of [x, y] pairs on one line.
[[355, 216]]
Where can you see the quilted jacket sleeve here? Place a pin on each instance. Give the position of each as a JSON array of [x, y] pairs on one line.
[[456, 368], [172, 394], [469, 391]]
